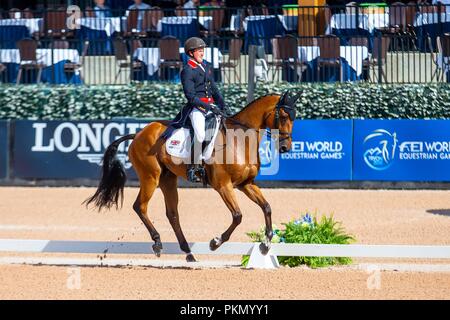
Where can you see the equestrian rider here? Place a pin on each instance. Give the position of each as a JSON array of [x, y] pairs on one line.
[[203, 98]]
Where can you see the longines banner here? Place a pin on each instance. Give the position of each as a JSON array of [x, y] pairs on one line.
[[321, 150], [401, 150], [3, 148], [68, 150]]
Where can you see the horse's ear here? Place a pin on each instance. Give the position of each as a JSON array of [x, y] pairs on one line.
[[295, 98], [285, 97], [290, 99]]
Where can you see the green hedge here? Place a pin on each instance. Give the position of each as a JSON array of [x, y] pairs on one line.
[[163, 100]]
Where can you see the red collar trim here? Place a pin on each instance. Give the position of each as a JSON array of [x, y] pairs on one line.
[[192, 63]]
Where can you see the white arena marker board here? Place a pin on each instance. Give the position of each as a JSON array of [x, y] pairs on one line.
[[362, 251], [68, 246], [230, 248]]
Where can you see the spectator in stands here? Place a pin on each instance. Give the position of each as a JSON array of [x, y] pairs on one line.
[[14, 13], [27, 14], [139, 5], [444, 3], [191, 7], [101, 10], [256, 8]]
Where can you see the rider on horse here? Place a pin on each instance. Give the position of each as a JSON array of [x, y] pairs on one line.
[[202, 96]]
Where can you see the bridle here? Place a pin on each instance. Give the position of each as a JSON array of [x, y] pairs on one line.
[[276, 121]]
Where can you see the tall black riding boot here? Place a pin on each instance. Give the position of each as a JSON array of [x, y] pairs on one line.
[[193, 169]]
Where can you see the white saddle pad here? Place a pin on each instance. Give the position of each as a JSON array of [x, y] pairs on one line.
[[179, 143]]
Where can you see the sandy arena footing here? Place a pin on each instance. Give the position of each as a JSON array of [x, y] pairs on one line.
[[373, 216]]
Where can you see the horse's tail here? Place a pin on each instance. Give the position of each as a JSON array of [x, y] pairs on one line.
[[112, 183]]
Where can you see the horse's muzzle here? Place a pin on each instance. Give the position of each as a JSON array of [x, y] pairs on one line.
[[283, 149]]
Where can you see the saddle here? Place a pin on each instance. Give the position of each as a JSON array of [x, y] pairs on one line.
[[178, 141]]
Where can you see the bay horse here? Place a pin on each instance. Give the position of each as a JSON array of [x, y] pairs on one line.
[[155, 167]]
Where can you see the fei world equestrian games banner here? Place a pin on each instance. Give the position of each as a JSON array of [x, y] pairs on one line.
[[68, 149], [321, 150], [401, 150], [3, 148]]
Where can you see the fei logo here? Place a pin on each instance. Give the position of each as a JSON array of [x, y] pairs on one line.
[[269, 156], [380, 149], [265, 154]]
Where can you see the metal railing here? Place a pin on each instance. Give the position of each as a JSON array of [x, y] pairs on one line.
[[387, 44]]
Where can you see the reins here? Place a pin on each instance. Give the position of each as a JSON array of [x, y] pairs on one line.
[[287, 135]]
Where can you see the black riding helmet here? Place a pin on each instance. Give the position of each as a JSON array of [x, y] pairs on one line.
[[192, 44]]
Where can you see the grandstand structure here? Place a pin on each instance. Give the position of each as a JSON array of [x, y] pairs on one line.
[[123, 41]]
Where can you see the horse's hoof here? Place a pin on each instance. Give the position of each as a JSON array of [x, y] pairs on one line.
[[215, 243], [190, 258], [157, 248], [264, 248]]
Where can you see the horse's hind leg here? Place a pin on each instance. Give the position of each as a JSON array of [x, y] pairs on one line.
[[229, 197], [168, 185], [148, 187], [254, 193]]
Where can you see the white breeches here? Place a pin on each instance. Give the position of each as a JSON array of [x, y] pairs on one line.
[[198, 123]]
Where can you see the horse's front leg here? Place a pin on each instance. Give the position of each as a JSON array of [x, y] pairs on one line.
[[229, 197], [254, 193]]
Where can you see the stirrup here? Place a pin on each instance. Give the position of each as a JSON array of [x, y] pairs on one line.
[[192, 173]]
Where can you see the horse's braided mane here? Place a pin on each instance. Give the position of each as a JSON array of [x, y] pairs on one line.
[[254, 101]]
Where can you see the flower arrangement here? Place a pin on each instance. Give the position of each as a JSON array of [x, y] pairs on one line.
[[307, 229]]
